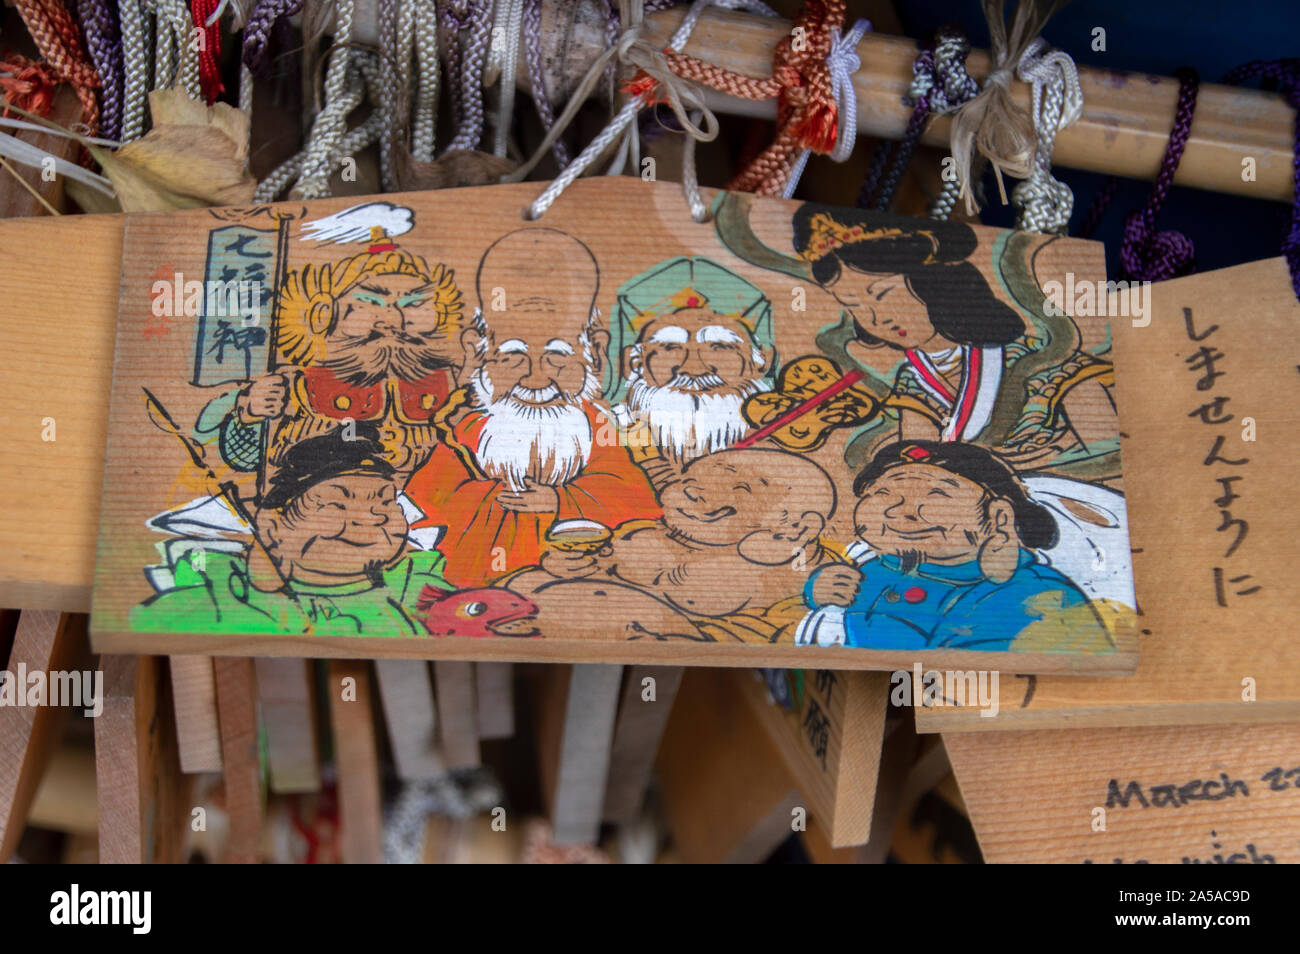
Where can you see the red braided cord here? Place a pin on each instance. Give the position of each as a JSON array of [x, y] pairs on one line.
[[209, 55], [57, 37]]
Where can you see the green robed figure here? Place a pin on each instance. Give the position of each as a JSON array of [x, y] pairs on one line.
[[333, 559]]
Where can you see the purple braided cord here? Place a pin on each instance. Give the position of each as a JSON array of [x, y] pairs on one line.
[[473, 57], [103, 39], [940, 84], [1148, 255], [1100, 203], [1286, 73], [452, 17], [915, 126], [880, 160], [258, 30], [536, 79]]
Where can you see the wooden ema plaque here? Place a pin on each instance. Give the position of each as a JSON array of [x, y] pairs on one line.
[[793, 435]]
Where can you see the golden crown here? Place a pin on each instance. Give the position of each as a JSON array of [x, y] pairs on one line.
[[826, 235]]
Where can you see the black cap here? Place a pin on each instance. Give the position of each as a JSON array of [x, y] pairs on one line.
[[317, 459], [1034, 523]]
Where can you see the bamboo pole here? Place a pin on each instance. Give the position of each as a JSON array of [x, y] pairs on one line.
[[1123, 130]]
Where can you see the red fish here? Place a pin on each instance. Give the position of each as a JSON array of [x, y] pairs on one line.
[[484, 611]]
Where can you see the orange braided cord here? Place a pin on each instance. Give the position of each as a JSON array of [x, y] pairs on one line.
[[57, 37], [724, 80], [806, 115]]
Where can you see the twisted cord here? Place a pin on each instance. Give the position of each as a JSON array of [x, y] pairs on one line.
[[135, 68], [424, 25], [1043, 202], [1146, 254], [176, 63], [453, 16], [807, 113], [940, 86], [341, 97], [1286, 73], [473, 56], [256, 46], [653, 75], [363, 72], [209, 52], [387, 92], [843, 62], [56, 36], [511, 14], [164, 66], [103, 42], [356, 139], [537, 77]]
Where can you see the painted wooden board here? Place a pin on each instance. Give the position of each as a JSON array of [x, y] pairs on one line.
[[576, 711], [47, 541], [286, 701], [494, 694], [143, 796], [236, 682], [406, 692], [796, 435], [357, 760], [197, 731], [1212, 512], [727, 794], [457, 714], [828, 727], [29, 734], [643, 709], [1164, 795]]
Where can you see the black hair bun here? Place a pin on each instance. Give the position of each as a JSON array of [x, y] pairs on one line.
[[1035, 524]]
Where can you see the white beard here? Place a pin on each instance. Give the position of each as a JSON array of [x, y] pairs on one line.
[[686, 423], [547, 445]]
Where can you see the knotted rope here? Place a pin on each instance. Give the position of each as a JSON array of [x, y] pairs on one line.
[[1043, 202], [1146, 254], [801, 83], [654, 82], [940, 85], [991, 124], [842, 61]]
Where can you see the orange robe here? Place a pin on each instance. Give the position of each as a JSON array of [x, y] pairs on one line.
[[610, 490]]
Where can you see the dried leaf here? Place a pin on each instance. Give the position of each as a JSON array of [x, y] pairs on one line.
[[193, 157]]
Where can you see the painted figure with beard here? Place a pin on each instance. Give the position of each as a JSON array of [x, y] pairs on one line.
[[374, 338], [526, 444], [740, 532], [952, 541], [698, 344]]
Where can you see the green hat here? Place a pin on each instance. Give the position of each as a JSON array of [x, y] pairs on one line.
[[681, 283]]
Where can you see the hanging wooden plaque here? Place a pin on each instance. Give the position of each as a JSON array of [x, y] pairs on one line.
[[794, 435]]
